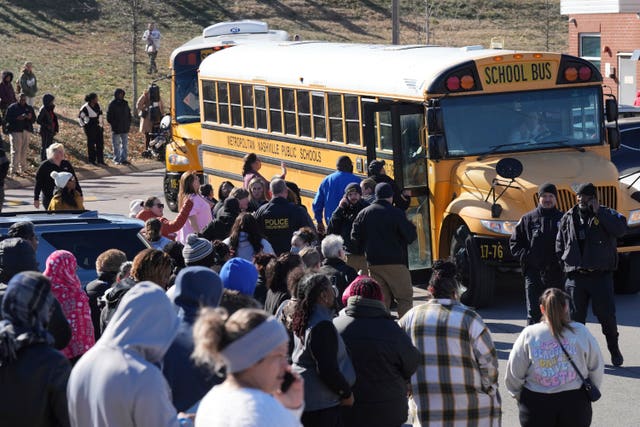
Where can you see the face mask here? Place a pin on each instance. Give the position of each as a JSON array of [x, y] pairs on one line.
[[295, 250]]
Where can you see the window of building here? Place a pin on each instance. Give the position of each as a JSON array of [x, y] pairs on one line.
[[590, 48], [209, 100]]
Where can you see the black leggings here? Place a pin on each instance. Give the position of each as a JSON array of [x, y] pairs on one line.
[[565, 409]]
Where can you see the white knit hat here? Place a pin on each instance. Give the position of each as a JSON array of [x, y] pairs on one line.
[[61, 178], [135, 207]]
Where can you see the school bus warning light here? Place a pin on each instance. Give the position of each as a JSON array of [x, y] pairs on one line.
[[455, 83]]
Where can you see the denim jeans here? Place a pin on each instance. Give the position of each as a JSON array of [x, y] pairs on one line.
[[120, 142]]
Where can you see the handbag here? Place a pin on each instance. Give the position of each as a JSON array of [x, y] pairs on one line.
[[593, 394]]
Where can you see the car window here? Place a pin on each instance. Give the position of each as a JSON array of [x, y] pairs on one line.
[[86, 245]]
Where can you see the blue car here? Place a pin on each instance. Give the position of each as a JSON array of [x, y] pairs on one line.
[[85, 234]]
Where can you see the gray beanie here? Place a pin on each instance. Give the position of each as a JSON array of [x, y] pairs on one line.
[[196, 249]]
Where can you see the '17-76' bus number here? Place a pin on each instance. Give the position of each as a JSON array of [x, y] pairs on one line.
[[491, 251]]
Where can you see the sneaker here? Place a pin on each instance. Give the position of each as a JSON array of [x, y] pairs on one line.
[[125, 162]]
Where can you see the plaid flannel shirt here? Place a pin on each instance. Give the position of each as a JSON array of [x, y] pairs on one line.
[[456, 383]]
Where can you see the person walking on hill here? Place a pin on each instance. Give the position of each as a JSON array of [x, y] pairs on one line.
[[331, 191], [20, 119], [587, 246], [48, 121], [533, 243], [44, 185], [28, 83], [90, 120], [539, 376], [384, 232], [152, 36], [456, 382], [119, 117]]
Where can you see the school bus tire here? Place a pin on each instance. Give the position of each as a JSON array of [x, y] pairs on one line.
[[474, 274], [170, 194]]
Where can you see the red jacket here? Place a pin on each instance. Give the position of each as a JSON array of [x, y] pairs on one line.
[[169, 228]]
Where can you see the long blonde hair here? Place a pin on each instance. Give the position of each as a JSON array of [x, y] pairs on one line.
[[186, 186]]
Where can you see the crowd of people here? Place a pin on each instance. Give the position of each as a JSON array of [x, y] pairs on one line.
[[243, 312]]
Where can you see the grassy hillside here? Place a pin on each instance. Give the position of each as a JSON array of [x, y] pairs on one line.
[[82, 46]]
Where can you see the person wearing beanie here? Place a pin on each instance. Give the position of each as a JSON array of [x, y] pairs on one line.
[[135, 206], [195, 288], [44, 185], [108, 265], [198, 251], [48, 121], [66, 196], [331, 191], [341, 223], [240, 275], [587, 246], [533, 243], [383, 232], [401, 199], [26, 231], [373, 339]]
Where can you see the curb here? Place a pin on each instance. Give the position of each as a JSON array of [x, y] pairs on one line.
[[84, 173]]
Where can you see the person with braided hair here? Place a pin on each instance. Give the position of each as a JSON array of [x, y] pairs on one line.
[[319, 355], [457, 380], [383, 356]]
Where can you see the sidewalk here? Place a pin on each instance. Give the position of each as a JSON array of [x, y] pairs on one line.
[[86, 171]]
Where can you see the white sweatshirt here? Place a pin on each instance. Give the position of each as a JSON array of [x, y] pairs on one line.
[[538, 363]]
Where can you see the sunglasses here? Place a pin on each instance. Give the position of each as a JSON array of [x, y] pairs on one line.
[[160, 205]]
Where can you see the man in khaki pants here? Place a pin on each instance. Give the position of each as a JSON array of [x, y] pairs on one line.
[[384, 232], [20, 119]]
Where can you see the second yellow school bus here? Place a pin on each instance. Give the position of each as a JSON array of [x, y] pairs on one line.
[[455, 126]]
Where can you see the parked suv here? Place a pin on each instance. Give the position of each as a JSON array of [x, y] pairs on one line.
[[86, 234]]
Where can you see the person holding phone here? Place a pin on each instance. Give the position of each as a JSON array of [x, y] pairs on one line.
[[586, 244], [260, 389]]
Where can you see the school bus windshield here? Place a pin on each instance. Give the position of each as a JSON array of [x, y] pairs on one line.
[[522, 121], [187, 101]]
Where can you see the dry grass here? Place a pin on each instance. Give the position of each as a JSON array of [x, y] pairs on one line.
[[82, 46]]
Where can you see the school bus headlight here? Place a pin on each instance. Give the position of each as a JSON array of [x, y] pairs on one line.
[[177, 159], [634, 217], [500, 227]]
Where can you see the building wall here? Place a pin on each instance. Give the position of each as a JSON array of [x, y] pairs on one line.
[[569, 7], [620, 32]]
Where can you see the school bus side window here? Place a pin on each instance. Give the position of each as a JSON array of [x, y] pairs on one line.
[[384, 134], [304, 113], [335, 117], [319, 120], [236, 107], [247, 105], [261, 107], [352, 119], [209, 100], [223, 102], [275, 109], [289, 104]]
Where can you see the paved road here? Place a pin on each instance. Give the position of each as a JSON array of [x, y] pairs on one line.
[[621, 388]]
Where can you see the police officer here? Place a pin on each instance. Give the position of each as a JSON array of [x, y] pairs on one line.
[[280, 218], [533, 243], [586, 243]]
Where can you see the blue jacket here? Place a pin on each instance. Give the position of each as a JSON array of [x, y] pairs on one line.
[[329, 194]]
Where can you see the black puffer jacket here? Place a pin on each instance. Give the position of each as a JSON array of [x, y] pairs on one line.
[[220, 228], [94, 290], [534, 238], [111, 300], [341, 223], [384, 359], [599, 246], [119, 113]]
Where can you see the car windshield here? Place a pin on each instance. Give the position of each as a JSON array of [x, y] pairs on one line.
[[187, 101], [522, 121]]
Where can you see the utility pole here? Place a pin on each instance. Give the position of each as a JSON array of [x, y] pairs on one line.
[[395, 22]]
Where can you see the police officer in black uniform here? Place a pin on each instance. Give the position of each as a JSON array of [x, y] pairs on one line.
[[533, 243], [280, 218], [586, 243]]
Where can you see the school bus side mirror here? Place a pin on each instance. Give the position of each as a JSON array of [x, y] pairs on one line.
[[613, 136], [437, 147], [434, 120], [611, 109]]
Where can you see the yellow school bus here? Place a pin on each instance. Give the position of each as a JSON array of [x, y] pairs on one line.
[[452, 125], [182, 151]]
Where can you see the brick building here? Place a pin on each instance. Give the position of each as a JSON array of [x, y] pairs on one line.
[[607, 32]]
